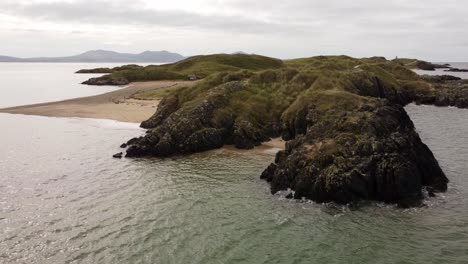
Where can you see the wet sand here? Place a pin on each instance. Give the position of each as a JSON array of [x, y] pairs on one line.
[[116, 105], [274, 144]]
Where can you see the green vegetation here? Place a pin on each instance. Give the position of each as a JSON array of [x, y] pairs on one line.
[[156, 93], [410, 63], [199, 66], [277, 99]]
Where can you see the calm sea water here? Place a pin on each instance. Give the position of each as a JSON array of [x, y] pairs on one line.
[[460, 65], [65, 200], [29, 83]]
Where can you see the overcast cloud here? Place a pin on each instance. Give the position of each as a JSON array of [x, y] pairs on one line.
[[432, 30]]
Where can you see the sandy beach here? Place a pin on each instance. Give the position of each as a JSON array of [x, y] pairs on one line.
[[116, 105]]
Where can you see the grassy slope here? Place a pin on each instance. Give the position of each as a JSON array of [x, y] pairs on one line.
[[201, 66], [329, 69], [278, 95]]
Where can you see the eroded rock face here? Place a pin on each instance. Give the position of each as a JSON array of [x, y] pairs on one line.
[[167, 106], [194, 127], [372, 153]]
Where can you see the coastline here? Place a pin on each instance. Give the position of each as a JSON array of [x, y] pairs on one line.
[[116, 105]]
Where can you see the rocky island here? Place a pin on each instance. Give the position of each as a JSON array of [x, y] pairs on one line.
[[348, 135]]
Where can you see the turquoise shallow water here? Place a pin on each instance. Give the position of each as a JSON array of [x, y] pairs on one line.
[[63, 199]]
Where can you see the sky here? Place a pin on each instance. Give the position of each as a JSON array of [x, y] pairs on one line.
[[434, 30]]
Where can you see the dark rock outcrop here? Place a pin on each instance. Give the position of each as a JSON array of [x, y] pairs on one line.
[[448, 91], [456, 70], [439, 78], [189, 129], [106, 81], [167, 106], [97, 70], [118, 155], [428, 66], [371, 153]]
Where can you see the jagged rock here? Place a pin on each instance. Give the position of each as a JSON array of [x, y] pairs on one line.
[[106, 81], [97, 70], [188, 129], [456, 70], [372, 153], [426, 66], [449, 91], [439, 78], [118, 155], [167, 106]]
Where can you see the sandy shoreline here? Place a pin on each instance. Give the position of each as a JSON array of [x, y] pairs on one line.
[[116, 105]]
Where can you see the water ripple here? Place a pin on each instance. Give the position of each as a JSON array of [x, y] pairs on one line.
[[79, 206]]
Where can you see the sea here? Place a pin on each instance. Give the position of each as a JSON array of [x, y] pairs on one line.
[[459, 65], [64, 199]]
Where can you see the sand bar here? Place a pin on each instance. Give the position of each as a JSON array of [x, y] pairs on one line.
[[116, 105]]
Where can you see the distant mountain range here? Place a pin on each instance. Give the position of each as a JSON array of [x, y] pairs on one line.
[[105, 56]]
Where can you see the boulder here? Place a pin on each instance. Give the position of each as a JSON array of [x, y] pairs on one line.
[[456, 70], [118, 155]]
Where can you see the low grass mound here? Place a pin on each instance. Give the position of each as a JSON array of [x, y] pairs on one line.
[[197, 66], [205, 65]]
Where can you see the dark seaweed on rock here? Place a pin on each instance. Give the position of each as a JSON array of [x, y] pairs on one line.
[[349, 136]]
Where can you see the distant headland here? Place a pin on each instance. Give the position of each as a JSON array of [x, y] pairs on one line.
[[104, 56]]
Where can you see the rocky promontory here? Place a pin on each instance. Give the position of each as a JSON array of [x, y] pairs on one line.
[[99, 81], [348, 135], [448, 91], [456, 70], [420, 64]]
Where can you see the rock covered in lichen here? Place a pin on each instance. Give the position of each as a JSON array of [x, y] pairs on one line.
[[369, 152]]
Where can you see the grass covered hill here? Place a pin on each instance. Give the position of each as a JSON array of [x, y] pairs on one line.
[[348, 136], [199, 66]]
